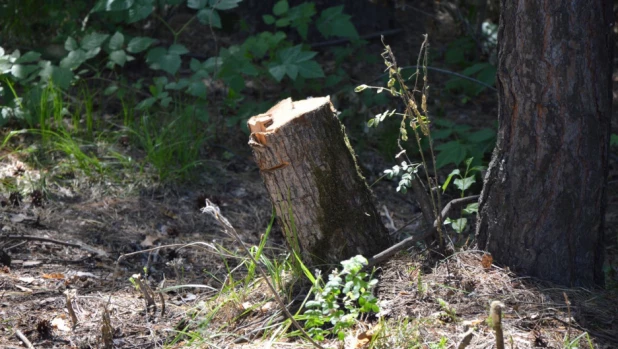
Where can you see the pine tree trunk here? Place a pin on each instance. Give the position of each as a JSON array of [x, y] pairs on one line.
[[310, 172], [542, 208]]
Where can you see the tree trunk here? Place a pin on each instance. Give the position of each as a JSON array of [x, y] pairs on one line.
[[543, 204], [310, 172]]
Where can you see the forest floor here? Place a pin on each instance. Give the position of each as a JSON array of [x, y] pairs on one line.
[[78, 243]]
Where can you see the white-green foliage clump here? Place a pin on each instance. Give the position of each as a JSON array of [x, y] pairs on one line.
[[338, 304]]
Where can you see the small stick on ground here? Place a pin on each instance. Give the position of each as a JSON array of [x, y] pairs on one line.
[[24, 339]]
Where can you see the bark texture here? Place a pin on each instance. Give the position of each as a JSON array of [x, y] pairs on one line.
[[543, 205], [314, 183]]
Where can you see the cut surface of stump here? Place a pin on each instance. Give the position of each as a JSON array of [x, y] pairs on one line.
[[309, 168]]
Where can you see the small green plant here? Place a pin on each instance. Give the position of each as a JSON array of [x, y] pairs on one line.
[[338, 303], [463, 182], [449, 311]]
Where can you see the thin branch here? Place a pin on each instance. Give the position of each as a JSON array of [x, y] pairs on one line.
[[36, 238], [24, 339]]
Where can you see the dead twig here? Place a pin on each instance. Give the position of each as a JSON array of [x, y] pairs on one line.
[[404, 244], [24, 339]]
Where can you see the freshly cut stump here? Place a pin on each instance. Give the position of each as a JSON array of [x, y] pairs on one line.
[[310, 171]]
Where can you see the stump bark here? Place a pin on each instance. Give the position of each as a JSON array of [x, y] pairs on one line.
[[320, 196]]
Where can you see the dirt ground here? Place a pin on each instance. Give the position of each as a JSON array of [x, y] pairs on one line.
[[65, 240]]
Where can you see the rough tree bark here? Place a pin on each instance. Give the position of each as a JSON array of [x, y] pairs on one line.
[[542, 207], [314, 183]]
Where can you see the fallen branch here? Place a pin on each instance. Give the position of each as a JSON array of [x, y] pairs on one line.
[[404, 244], [82, 246]]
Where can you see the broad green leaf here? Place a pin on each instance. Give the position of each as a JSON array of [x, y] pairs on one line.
[[209, 16], [170, 63], [177, 49], [29, 57], [118, 5], [197, 4], [62, 77], [195, 65], [74, 59], [471, 208], [92, 53], [224, 4], [450, 153], [455, 172], [116, 41], [21, 71], [465, 183], [281, 7], [197, 89], [139, 12], [93, 40], [482, 135], [146, 103], [119, 57], [70, 44], [282, 22], [268, 19], [459, 224], [333, 22], [473, 69], [139, 44], [111, 89], [310, 70], [277, 71], [155, 54]]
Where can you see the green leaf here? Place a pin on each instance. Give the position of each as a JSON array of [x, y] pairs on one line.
[[146, 103], [282, 22], [455, 172], [471, 208], [450, 153], [159, 58], [74, 59], [333, 22], [118, 57], [20, 71], [310, 70], [613, 140], [62, 77], [177, 49], [139, 12], [268, 19], [281, 7], [139, 44], [464, 184], [92, 53], [116, 41], [209, 16], [459, 224], [196, 4], [29, 57], [111, 89], [93, 40], [195, 65], [118, 5], [224, 4], [197, 89], [70, 44]]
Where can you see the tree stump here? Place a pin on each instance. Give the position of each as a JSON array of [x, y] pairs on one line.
[[320, 196]]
